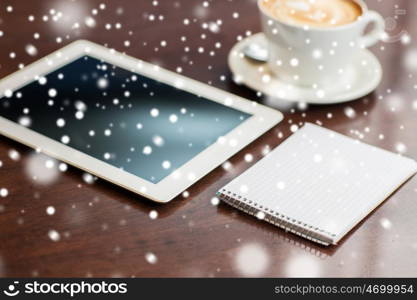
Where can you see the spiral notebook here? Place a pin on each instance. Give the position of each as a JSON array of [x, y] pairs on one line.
[[318, 184]]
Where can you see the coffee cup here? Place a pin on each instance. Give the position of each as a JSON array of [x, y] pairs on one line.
[[314, 42]]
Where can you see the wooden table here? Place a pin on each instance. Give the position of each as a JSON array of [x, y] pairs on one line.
[[106, 231]]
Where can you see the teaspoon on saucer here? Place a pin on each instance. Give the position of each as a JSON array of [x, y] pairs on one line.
[[256, 51]]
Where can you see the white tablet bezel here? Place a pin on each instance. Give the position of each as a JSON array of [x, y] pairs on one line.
[[262, 120]]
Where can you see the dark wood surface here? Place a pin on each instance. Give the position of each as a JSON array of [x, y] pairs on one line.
[[106, 231]]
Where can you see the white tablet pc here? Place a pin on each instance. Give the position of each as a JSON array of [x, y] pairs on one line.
[[134, 124]]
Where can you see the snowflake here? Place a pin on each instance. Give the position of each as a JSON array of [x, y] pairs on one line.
[[4, 192], [153, 214], [54, 235], [50, 210], [151, 258]]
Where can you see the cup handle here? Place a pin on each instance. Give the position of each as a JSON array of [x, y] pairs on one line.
[[376, 34]]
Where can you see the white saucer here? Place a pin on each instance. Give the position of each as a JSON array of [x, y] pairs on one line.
[[362, 78]]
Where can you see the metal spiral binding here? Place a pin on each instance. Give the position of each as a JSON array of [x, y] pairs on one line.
[[288, 224]]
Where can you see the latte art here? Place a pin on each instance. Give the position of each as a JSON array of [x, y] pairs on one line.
[[315, 13]]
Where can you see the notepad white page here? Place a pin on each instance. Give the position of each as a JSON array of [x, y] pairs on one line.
[[323, 179]]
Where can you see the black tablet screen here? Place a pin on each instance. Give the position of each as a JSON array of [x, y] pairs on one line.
[[130, 121]]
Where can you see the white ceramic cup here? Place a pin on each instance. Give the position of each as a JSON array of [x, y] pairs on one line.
[[317, 56]]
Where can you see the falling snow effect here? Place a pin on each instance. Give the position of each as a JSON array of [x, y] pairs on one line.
[[153, 214], [302, 266], [248, 157], [215, 201], [281, 185], [41, 169], [4, 192], [385, 223], [350, 112], [54, 235], [260, 215], [31, 50], [151, 258], [14, 155], [50, 210], [88, 178], [52, 93]]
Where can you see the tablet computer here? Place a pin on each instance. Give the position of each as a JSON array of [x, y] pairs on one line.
[[132, 123]]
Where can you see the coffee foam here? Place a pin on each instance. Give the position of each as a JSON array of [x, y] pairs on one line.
[[314, 13]]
